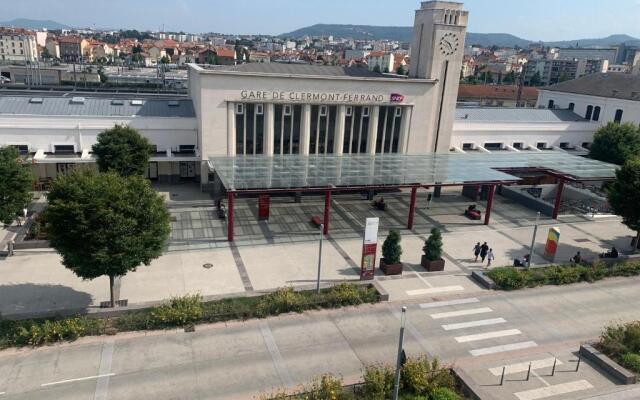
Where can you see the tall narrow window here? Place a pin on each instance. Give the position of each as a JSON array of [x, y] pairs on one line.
[[322, 129], [618, 116], [589, 112], [388, 134], [249, 128], [550, 104], [286, 129], [356, 130], [596, 113], [572, 106]]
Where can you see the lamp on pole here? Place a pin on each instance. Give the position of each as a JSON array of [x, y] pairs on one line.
[[533, 239], [396, 384], [320, 257]]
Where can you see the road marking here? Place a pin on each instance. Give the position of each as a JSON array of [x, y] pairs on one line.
[[449, 303], [433, 290], [86, 378], [488, 335], [504, 347], [472, 324], [423, 280], [460, 313], [540, 378], [554, 390], [523, 366], [1, 393], [102, 385], [276, 357]]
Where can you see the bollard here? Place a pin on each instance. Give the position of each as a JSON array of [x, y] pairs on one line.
[[553, 370], [10, 247], [529, 372], [502, 378], [579, 359]]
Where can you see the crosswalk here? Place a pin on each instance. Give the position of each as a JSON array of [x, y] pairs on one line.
[[473, 324], [482, 332]]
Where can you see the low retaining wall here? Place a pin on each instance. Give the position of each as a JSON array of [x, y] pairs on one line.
[[483, 280], [611, 367], [31, 244]]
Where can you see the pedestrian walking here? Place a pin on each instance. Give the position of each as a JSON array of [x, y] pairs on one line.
[[484, 249], [490, 257], [476, 250]]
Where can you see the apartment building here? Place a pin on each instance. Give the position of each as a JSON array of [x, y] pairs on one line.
[[18, 45]]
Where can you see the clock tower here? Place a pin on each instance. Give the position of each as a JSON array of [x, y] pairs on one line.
[[436, 53]]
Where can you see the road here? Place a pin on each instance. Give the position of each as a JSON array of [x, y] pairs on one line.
[[239, 360]]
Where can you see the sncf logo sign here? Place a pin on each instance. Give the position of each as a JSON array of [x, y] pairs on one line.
[[397, 98]]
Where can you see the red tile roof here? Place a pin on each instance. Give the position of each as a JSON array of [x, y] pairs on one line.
[[467, 91], [224, 52]]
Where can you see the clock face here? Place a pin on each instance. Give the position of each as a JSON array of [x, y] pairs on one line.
[[449, 43]]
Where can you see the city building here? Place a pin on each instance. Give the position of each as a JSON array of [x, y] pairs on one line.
[[72, 48], [497, 95], [554, 71], [381, 61], [573, 53], [18, 45], [601, 98]]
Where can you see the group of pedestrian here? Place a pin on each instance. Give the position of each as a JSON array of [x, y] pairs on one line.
[[484, 252]]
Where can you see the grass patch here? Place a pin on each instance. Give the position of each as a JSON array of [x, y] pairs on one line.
[[621, 342], [183, 311], [512, 278]]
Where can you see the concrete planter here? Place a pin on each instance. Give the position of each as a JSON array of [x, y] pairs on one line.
[[432, 265], [390, 269], [617, 371]]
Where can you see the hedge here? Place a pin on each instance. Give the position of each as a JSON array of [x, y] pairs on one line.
[[512, 278], [183, 311], [621, 342]]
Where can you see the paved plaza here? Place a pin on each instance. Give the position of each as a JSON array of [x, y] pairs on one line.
[[283, 251]]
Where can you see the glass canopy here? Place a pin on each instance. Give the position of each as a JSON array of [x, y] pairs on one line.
[[322, 171]]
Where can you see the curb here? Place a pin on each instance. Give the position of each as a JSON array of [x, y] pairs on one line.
[[483, 280], [617, 371]]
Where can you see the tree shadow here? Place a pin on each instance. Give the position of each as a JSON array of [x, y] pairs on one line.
[[27, 300]]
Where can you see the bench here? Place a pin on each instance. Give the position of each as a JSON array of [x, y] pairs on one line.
[[315, 220]]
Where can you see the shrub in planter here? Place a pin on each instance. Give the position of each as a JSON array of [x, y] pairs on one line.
[[508, 278], [281, 301], [432, 258], [421, 376], [443, 393], [632, 361], [378, 382], [325, 387], [391, 252], [179, 311], [344, 294]]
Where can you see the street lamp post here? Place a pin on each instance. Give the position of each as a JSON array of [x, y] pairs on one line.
[[533, 239], [320, 257], [396, 385]]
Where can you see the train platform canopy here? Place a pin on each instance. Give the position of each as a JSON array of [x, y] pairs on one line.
[[256, 173]]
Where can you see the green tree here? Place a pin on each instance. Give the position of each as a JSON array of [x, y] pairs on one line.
[[376, 69], [510, 78], [391, 249], [15, 184], [616, 143], [624, 195], [401, 70], [123, 150], [105, 224], [165, 60], [433, 245], [536, 79]]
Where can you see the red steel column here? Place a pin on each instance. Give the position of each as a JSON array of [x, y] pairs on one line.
[[556, 204], [412, 207], [327, 209], [487, 212], [230, 195]]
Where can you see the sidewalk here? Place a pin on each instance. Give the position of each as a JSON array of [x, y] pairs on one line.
[[35, 281]]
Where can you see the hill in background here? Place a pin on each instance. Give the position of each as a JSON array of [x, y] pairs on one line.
[[404, 34], [34, 24]]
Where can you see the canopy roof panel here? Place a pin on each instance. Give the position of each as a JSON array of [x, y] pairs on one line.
[[344, 171]]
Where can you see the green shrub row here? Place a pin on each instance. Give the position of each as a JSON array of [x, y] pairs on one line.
[[512, 278], [420, 379], [183, 311]]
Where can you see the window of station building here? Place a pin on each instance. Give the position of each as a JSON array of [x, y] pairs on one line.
[[63, 149], [493, 146], [541, 145], [286, 129], [467, 146], [586, 145], [249, 130], [565, 145], [323, 124], [618, 116], [388, 135], [572, 106], [550, 104], [22, 148], [356, 131], [187, 149], [596, 113], [518, 145], [348, 111], [587, 115], [259, 109]]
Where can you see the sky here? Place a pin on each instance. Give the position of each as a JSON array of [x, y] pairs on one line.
[[546, 20]]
